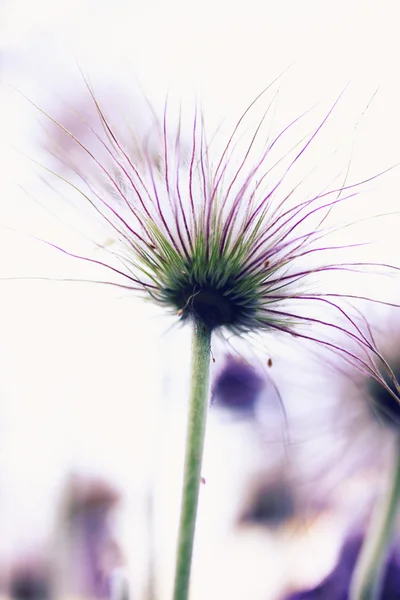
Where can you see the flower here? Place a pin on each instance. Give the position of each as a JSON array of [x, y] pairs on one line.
[[29, 581], [230, 241], [375, 404], [336, 585], [237, 386], [272, 505], [89, 552]]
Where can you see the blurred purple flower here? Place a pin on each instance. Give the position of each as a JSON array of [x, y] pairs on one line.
[[92, 551], [271, 505], [237, 387], [336, 585], [30, 580]]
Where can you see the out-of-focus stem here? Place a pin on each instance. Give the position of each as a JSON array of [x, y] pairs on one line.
[[369, 573]]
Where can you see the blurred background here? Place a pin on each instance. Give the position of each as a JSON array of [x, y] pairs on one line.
[[93, 382]]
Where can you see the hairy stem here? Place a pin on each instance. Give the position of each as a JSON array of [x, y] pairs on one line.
[[194, 454], [369, 573]]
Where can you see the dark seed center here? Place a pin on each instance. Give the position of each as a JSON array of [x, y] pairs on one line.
[[214, 303], [383, 404], [209, 306]]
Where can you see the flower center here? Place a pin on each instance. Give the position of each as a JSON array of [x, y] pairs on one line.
[[209, 306], [383, 403], [214, 302]]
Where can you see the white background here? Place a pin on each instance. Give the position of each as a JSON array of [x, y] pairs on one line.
[[83, 371]]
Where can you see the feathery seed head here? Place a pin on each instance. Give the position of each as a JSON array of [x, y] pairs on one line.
[[221, 237]]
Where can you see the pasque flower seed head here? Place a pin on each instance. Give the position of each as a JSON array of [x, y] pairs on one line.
[[222, 238]]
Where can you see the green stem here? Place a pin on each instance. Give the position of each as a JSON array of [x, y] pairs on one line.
[[370, 569], [194, 454]]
